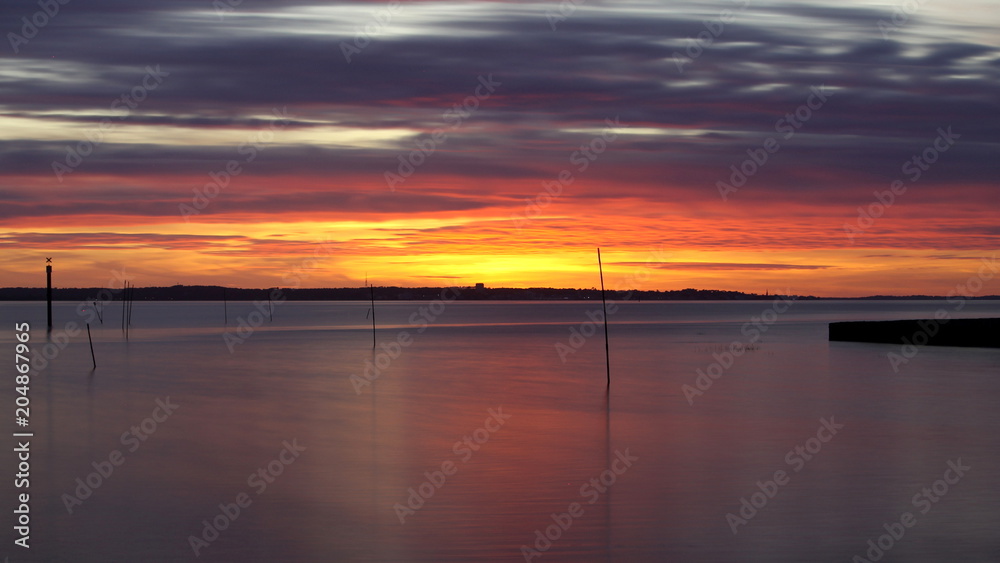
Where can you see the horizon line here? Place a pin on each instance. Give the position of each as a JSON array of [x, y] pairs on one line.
[[475, 288]]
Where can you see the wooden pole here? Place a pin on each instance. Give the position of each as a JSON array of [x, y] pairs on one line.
[[48, 291], [372, 288], [270, 310], [225, 307], [128, 309], [92, 358], [131, 297], [604, 304], [124, 293], [607, 456]]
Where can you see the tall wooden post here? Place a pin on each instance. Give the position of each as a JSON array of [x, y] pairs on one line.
[[48, 290], [604, 304], [124, 299], [91, 340], [372, 288]]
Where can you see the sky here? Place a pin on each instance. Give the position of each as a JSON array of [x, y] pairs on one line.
[[820, 148]]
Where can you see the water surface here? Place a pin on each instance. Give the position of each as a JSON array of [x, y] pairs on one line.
[[290, 381]]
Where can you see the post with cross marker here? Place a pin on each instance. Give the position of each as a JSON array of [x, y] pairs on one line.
[[48, 289]]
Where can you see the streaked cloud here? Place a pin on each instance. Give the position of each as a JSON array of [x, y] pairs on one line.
[[322, 175]]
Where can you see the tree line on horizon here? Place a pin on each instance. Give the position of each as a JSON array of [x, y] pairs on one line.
[[384, 293]]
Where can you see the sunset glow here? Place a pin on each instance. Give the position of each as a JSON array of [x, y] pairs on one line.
[[492, 102]]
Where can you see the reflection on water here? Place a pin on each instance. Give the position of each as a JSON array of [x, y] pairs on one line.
[[482, 440]]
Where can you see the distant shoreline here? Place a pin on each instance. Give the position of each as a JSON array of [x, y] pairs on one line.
[[391, 293]]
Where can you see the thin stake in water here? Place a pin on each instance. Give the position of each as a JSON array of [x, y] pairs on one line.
[[131, 296], [225, 308], [48, 290], [128, 307], [372, 288], [92, 358], [604, 304], [124, 290]]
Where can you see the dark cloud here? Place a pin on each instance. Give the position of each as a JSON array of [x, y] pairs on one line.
[[91, 240], [225, 71]]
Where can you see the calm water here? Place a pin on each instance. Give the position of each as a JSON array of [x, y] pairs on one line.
[[690, 464]]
